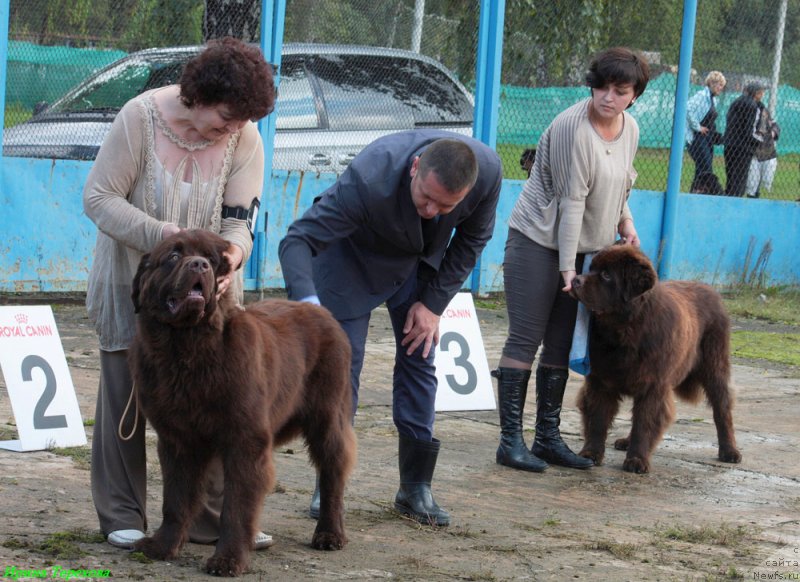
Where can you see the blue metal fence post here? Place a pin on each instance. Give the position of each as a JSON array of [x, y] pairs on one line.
[[669, 221], [487, 85], [4, 16], [273, 19]]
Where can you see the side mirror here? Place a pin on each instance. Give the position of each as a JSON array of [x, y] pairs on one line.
[[39, 107]]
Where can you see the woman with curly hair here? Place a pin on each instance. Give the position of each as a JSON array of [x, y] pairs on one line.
[[180, 156]]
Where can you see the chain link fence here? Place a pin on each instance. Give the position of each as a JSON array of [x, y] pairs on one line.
[[54, 44]]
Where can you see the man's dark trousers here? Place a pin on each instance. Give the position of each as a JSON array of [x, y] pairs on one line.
[[414, 379]]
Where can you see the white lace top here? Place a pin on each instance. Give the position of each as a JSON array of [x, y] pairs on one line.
[[131, 197]]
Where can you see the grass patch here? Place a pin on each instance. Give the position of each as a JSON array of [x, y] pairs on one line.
[[139, 557], [619, 551], [16, 113], [775, 304], [783, 348], [8, 432], [66, 545], [462, 531], [81, 456], [721, 535], [15, 544], [552, 520], [492, 301]]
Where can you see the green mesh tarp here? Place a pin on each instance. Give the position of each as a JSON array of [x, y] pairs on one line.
[[44, 73], [525, 113]]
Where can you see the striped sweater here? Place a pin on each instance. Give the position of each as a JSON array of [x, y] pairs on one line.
[[577, 192]]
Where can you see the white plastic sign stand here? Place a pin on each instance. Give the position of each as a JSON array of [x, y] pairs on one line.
[[461, 366], [38, 381]]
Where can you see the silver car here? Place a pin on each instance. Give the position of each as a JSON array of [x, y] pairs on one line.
[[333, 100]]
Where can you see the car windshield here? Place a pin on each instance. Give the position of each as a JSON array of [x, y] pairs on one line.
[[111, 89], [377, 87], [384, 92]]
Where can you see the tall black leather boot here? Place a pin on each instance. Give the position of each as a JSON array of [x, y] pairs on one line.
[[417, 461], [512, 388], [548, 444]]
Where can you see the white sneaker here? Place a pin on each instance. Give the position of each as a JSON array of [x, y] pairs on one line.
[[125, 538], [262, 541]]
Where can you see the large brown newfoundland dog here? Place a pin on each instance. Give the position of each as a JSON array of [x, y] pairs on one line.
[[650, 340], [220, 382]]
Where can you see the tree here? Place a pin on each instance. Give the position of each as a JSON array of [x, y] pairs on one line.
[[237, 18]]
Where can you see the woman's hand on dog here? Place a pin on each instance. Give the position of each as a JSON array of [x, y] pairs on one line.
[[169, 229], [568, 277], [234, 255], [628, 234]]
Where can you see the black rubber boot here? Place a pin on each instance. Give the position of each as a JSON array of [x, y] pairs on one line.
[[313, 509], [512, 389], [548, 444], [417, 461]]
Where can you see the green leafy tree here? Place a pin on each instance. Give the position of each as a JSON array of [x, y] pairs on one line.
[[164, 23], [237, 18]]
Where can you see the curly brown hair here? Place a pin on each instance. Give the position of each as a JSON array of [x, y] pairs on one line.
[[233, 73]]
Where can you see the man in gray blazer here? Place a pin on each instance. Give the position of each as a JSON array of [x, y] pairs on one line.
[[405, 225]]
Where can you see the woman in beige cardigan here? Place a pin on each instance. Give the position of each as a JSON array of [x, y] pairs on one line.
[[574, 202], [181, 156]]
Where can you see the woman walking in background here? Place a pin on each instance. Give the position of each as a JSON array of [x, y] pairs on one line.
[[702, 134]]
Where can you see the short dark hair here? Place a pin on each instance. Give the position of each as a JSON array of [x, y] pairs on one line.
[[453, 162], [752, 88], [233, 73], [619, 65]]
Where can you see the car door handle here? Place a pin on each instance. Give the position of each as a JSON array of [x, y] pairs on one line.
[[346, 159], [319, 160]]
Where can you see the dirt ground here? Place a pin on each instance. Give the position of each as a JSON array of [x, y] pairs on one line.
[[691, 518]]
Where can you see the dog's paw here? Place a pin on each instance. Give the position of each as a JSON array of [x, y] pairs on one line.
[[328, 540], [226, 566], [155, 549], [636, 465], [595, 456], [622, 444], [731, 455]]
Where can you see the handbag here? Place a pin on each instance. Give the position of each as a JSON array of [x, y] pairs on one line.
[[579, 351]]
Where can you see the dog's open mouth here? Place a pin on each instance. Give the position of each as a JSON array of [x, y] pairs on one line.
[[193, 296]]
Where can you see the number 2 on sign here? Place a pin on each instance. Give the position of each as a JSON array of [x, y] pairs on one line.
[[461, 361], [40, 419]]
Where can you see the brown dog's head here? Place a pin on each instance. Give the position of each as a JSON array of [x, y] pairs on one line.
[[176, 283], [617, 275]]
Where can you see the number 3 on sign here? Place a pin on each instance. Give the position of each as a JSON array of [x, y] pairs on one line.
[[38, 381], [461, 366]]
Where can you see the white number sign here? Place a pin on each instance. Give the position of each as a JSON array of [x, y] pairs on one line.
[[38, 380], [461, 366]]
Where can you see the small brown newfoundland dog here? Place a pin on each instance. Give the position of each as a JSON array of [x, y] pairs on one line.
[[220, 382], [650, 340]]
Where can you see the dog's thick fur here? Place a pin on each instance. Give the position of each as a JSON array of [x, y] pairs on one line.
[[220, 382], [650, 340]]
